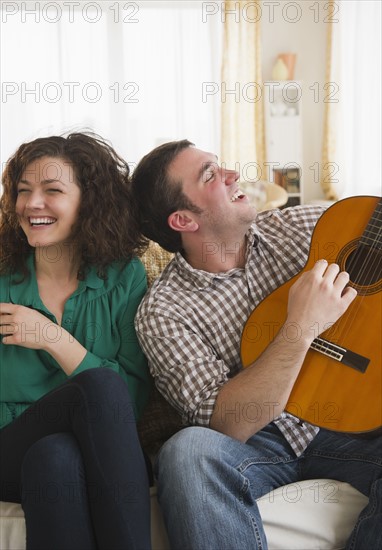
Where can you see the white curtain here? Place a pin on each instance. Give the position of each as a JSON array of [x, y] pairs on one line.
[[355, 132], [135, 72], [242, 140]]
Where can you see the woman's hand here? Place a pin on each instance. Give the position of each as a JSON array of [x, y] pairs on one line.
[[26, 327]]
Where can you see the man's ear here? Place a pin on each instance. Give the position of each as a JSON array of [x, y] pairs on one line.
[[181, 221]]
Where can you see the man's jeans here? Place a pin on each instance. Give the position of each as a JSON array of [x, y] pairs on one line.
[[209, 483]]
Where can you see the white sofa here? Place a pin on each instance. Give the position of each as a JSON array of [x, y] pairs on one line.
[[317, 514]]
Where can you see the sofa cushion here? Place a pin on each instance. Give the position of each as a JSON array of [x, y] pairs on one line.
[[159, 421], [302, 516], [317, 513], [155, 260]]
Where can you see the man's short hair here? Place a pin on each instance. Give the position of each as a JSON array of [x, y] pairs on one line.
[[155, 195]]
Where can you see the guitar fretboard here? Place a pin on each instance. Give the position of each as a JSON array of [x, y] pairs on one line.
[[372, 236]]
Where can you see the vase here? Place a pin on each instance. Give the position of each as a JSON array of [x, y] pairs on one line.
[[280, 70], [290, 60]]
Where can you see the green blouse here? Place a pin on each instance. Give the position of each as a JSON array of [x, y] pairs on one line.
[[100, 315]]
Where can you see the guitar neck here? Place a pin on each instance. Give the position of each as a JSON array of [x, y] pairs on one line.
[[372, 236]]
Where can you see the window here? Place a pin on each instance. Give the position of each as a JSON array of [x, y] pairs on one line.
[[134, 72]]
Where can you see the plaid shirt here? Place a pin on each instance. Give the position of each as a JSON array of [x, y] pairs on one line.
[[190, 322]]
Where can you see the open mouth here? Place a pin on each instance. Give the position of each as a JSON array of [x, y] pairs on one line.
[[34, 222], [238, 194]]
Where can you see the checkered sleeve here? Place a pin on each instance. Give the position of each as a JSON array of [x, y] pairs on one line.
[[182, 362], [190, 322]]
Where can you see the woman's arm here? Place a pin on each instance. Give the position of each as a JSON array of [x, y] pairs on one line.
[[28, 328]]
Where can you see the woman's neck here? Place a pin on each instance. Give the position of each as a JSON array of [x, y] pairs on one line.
[[56, 262]]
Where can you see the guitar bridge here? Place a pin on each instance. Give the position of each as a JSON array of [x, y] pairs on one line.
[[342, 355]]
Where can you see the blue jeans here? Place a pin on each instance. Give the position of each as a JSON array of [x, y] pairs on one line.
[[74, 461], [208, 484]]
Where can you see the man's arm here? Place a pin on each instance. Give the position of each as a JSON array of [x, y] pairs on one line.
[[318, 297]]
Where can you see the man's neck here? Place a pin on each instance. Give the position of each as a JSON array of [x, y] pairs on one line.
[[216, 257]]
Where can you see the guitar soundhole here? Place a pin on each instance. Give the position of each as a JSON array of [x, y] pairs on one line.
[[364, 266]]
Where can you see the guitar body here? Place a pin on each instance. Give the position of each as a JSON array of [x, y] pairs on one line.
[[329, 393]]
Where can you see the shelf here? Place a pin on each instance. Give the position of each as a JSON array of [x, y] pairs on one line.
[[290, 180], [283, 132]]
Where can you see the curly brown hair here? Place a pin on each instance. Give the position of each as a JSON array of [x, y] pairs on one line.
[[105, 230]]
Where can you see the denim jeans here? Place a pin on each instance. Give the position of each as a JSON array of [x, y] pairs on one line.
[[74, 461], [208, 484]]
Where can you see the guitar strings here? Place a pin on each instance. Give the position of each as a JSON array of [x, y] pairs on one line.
[[369, 267], [341, 328]]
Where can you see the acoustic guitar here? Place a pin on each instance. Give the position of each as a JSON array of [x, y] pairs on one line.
[[340, 383]]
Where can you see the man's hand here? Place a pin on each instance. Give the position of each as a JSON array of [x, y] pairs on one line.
[[26, 327], [318, 299]]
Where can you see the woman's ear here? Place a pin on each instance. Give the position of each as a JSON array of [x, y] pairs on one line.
[[181, 221]]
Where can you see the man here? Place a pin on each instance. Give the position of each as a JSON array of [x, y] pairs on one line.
[[190, 324]]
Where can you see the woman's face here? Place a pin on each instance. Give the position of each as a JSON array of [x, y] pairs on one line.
[[48, 200]]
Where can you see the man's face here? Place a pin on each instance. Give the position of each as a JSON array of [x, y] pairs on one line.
[[213, 189]]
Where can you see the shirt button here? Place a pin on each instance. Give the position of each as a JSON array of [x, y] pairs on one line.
[[68, 321]]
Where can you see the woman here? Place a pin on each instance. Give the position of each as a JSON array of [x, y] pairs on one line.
[[73, 378]]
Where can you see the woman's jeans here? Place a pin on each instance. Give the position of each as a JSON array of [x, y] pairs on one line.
[[209, 483], [74, 461]]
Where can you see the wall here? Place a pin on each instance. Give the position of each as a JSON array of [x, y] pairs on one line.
[[131, 71], [301, 28]]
